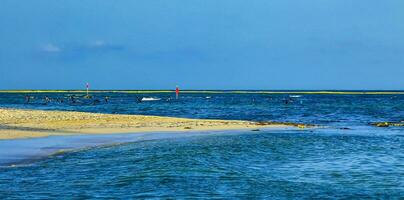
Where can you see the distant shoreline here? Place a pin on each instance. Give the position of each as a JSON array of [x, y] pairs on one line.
[[348, 92]]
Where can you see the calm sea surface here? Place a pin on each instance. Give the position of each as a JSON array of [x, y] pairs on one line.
[[348, 159]]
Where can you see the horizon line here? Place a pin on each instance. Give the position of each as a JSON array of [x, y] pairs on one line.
[[214, 91]]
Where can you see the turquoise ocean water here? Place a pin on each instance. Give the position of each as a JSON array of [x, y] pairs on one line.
[[348, 159]]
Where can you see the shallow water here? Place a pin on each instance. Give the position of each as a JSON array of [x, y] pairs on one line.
[[281, 164], [359, 162], [338, 110]]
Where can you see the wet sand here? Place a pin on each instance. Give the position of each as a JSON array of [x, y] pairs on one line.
[[18, 123], [24, 151]]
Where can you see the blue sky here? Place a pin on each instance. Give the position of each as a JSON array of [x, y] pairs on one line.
[[202, 44]]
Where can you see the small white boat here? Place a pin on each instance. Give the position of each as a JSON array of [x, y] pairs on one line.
[[150, 99], [295, 96]]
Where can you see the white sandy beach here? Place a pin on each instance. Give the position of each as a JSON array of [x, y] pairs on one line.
[[17, 123]]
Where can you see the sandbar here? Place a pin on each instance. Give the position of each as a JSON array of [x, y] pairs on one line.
[[22, 123]]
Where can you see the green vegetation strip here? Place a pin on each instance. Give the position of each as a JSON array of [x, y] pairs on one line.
[[210, 92]]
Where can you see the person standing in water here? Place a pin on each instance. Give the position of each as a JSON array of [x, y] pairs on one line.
[[27, 99], [72, 99], [47, 100], [138, 99]]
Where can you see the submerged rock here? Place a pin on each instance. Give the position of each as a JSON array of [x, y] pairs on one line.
[[298, 125], [387, 124]]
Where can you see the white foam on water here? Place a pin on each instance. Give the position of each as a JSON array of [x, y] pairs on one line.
[[150, 99]]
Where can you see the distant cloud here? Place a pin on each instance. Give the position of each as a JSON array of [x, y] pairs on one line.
[[79, 51], [86, 48], [98, 43], [102, 45], [51, 48]]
